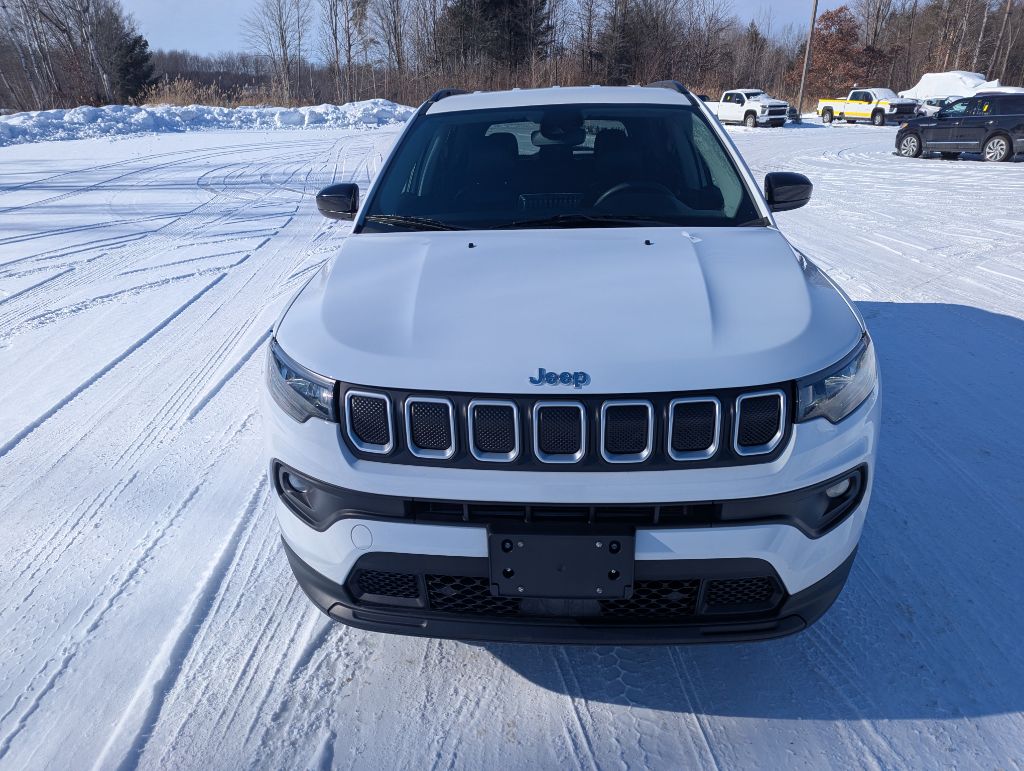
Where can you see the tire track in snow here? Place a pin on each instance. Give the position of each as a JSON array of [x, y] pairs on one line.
[[127, 742], [14, 441]]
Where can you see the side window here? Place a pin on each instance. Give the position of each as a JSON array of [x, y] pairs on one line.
[[727, 98], [983, 107], [1012, 106], [740, 99]]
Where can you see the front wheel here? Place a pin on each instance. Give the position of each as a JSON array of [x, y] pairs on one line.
[[997, 148], [878, 118], [910, 146], [750, 121]]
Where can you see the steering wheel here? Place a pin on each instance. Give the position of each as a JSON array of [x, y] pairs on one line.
[[633, 187]]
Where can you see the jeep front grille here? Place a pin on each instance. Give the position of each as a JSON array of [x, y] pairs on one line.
[[725, 427]]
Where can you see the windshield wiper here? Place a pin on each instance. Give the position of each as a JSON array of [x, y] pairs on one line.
[[582, 220], [419, 223]]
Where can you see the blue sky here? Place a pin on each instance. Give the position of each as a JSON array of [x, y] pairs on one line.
[[210, 26]]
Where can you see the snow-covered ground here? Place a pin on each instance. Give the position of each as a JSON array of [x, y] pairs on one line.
[[119, 119], [147, 614]]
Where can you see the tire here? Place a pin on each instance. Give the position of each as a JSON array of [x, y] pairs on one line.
[[950, 156], [910, 146], [997, 148], [826, 116], [878, 118], [750, 120]]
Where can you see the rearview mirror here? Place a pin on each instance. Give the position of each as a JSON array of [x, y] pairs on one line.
[[785, 190], [338, 202]]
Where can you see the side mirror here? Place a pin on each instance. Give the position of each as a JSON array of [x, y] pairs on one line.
[[338, 202], [785, 190]]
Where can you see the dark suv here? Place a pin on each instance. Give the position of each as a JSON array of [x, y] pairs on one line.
[[990, 124]]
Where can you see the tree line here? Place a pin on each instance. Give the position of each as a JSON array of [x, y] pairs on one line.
[[310, 51]]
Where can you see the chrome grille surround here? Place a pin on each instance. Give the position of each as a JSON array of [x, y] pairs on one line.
[[636, 457], [694, 455], [771, 444], [544, 457], [376, 449], [422, 452], [492, 457]]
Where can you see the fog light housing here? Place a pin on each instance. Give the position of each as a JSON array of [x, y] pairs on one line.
[[295, 483], [838, 489]]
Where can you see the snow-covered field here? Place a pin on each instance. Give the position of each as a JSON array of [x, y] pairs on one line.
[[147, 614], [118, 119]]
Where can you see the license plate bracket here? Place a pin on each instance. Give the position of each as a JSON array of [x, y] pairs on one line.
[[561, 565]]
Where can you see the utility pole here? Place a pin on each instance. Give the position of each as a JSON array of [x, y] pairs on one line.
[[807, 62]]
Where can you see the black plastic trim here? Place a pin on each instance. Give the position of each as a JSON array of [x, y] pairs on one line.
[[323, 504], [795, 613]]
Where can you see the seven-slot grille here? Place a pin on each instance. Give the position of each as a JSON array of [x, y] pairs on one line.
[[731, 427]]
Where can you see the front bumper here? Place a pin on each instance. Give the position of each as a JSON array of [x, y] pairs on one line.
[[780, 616], [810, 571]]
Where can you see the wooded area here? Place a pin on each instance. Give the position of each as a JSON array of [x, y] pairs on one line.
[[68, 52]]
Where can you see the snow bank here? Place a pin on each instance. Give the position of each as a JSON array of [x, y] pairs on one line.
[[83, 122], [955, 83]]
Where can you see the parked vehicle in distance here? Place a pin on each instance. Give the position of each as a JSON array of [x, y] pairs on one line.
[[568, 382], [929, 107], [750, 107], [990, 124], [878, 105]]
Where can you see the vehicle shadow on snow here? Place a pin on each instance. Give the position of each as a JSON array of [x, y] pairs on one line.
[[930, 623]]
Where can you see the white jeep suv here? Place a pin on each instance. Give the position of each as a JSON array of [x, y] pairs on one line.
[[567, 382]]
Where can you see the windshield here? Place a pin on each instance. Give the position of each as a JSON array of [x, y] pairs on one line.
[[560, 166], [885, 93]]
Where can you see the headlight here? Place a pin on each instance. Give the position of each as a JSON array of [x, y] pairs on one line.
[[837, 392], [764, 108], [904, 125], [297, 391]]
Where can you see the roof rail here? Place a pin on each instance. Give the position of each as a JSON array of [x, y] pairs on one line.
[[444, 93], [675, 85], [437, 96]]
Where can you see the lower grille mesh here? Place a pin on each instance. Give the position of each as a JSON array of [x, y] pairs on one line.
[[663, 598], [387, 584], [466, 594], [740, 592]]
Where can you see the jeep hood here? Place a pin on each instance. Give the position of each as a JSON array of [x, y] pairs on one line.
[[658, 309]]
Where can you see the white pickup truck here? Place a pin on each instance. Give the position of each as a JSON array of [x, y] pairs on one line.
[[751, 107]]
